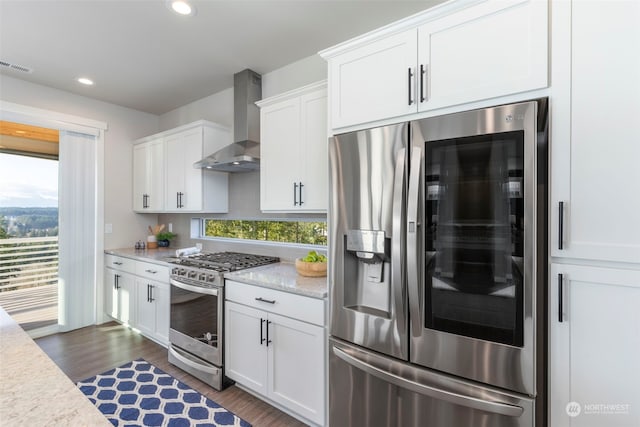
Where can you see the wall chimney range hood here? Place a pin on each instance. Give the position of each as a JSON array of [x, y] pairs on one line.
[[244, 154]]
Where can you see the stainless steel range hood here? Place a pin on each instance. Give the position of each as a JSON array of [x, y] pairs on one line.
[[244, 154]]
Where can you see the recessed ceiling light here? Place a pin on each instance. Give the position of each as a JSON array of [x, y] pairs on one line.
[[182, 7], [85, 81]]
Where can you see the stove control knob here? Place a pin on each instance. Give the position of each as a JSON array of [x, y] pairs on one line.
[[211, 278], [192, 274], [174, 270], [202, 276], [182, 272]]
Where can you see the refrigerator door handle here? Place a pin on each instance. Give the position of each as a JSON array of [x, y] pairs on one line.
[[415, 306], [434, 392], [397, 242]]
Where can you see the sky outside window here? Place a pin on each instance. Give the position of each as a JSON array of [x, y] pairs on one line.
[[28, 181]]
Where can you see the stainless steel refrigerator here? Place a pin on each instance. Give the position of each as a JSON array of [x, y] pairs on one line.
[[438, 242]]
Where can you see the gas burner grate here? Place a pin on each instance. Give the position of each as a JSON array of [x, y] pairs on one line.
[[229, 261]]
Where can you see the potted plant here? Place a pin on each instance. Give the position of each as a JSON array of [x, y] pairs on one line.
[[164, 237]]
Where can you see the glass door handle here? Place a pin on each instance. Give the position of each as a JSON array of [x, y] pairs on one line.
[[413, 283]]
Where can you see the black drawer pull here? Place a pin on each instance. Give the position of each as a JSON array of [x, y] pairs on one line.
[[266, 300]]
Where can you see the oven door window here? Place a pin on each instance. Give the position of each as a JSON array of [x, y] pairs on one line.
[[195, 315], [474, 237]]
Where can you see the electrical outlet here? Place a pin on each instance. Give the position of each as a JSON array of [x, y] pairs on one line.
[[108, 228], [170, 227]]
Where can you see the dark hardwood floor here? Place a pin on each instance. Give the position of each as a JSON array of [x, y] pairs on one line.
[[85, 352]]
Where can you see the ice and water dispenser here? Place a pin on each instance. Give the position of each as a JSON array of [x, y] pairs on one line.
[[367, 271]]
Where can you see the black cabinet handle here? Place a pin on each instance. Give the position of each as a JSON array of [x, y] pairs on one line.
[[423, 71], [150, 293], [145, 201], [409, 77], [560, 224], [116, 280], [300, 202], [560, 298], [270, 301], [262, 339], [295, 194], [268, 340]]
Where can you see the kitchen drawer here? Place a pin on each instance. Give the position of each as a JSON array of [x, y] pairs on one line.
[[152, 271], [120, 263], [298, 307]]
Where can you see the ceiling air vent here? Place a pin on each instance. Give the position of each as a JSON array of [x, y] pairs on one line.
[[16, 67]]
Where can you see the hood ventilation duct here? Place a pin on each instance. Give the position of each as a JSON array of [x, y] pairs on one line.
[[244, 154]]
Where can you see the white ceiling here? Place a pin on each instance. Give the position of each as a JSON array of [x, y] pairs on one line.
[[143, 56]]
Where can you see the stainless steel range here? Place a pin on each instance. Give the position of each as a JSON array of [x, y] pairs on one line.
[[197, 308]]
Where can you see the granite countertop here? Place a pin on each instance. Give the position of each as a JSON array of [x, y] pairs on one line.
[[157, 256], [33, 390], [284, 277]]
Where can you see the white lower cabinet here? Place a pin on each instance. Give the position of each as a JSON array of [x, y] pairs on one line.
[[152, 309], [137, 294], [119, 295], [276, 356], [594, 346]]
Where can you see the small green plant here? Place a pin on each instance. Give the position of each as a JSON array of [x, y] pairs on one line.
[[313, 256], [165, 235]]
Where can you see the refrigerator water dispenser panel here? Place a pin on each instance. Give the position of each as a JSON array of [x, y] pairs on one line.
[[370, 246]]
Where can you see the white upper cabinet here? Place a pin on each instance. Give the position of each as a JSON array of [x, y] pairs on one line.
[[375, 81], [188, 188], [148, 176], [293, 151], [184, 188], [449, 55], [595, 151], [493, 49]]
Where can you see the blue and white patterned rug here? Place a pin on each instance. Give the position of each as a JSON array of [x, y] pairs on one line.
[[140, 394]]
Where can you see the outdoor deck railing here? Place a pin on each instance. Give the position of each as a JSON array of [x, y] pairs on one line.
[[28, 262]]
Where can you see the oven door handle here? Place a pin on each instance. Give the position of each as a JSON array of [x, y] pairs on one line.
[[196, 289], [433, 391], [208, 369]]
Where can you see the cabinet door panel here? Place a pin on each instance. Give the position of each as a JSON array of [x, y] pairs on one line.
[[594, 350], [126, 298], [280, 154], [148, 176], [245, 356], [296, 366], [596, 174], [110, 293], [314, 140], [145, 309], [373, 82], [160, 294], [485, 51], [184, 182]]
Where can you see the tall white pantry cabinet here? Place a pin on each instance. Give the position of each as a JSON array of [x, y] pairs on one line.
[[594, 285], [588, 66]]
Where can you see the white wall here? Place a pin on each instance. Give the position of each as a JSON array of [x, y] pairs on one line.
[[125, 125]]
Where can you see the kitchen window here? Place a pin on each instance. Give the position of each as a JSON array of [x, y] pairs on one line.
[[282, 231]]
